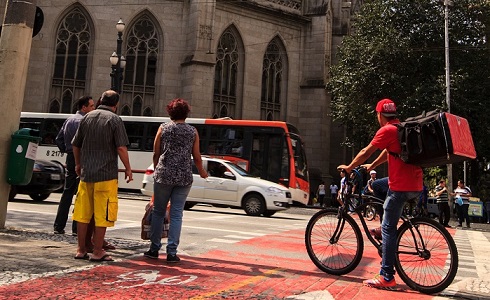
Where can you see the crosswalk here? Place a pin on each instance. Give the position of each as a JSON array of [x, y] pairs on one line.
[[472, 280], [243, 235]]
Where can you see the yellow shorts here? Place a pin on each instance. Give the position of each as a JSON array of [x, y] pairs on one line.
[[98, 199]]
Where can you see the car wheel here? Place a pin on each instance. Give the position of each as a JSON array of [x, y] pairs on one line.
[[253, 204], [39, 197], [189, 205], [12, 193], [269, 213]]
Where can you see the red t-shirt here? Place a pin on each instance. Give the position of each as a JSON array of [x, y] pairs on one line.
[[402, 177]]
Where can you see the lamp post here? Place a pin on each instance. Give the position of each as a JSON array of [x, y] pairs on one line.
[[118, 61]]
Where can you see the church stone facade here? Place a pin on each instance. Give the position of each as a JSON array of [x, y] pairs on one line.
[[246, 59]]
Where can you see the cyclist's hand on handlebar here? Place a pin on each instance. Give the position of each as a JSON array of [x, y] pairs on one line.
[[368, 167], [345, 168]]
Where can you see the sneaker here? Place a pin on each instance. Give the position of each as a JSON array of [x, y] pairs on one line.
[[376, 233], [58, 231], [151, 254], [380, 282], [172, 258]]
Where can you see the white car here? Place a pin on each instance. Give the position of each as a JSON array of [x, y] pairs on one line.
[[228, 185]]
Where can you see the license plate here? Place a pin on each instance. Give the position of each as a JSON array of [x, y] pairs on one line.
[[55, 176]]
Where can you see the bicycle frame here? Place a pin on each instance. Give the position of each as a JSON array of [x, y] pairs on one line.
[[347, 202]]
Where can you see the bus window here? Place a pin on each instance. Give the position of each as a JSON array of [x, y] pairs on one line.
[[135, 134], [50, 130], [225, 141]]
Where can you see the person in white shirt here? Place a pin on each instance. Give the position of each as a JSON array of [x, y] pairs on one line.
[[465, 193], [320, 194]]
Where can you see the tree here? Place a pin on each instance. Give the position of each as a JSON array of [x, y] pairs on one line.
[[397, 52]]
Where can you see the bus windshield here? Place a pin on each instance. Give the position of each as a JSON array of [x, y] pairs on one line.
[[300, 166]]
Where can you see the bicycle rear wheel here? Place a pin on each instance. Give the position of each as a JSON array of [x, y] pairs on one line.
[[334, 244], [432, 267]]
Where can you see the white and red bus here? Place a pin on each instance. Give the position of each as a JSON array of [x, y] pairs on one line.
[[271, 150]]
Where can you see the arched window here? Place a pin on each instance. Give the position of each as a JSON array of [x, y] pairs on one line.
[[66, 103], [71, 58], [141, 64], [226, 75], [147, 112], [125, 111], [54, 107], [137, 106], [273, 83]]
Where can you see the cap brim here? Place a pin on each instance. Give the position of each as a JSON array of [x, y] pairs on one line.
[[389, 115]]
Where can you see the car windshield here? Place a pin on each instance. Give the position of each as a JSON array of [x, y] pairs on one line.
[[238, 169]]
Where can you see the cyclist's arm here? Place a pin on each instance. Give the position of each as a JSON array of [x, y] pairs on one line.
[[382, 158], [361, 157]]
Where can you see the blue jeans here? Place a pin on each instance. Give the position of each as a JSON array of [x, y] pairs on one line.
[[177, 196], [393, 207]]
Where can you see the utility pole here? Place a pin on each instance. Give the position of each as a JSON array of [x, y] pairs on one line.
[[447, 3], [15, 48]]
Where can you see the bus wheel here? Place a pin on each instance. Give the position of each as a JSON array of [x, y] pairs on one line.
[[253, 204]]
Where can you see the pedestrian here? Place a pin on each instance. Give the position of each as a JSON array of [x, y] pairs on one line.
[[422, 203], [85, 104], [463, 193], [100, 139], [334, 189], [404, 181], [320, 194], [442, 199], [176, 144], [368, 190], [487, 209], [343, 188]]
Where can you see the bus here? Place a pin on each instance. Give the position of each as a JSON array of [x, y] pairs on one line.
[[271, 150]]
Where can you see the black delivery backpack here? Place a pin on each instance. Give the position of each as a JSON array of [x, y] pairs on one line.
[[434, 139]]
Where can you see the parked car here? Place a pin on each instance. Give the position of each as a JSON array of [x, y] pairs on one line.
[[47, 177], [228, 185], [432, 207]]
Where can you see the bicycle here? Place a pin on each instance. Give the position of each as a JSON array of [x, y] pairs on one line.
[[426, 254]]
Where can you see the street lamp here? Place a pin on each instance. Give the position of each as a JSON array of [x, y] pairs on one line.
[[118, 61]]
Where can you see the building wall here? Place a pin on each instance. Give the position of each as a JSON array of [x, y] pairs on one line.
[[310, 31]]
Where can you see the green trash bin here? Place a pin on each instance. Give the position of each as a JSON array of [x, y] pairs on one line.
[[22, 156]]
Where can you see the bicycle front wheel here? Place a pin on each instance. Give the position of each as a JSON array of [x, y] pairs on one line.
[[370, 213], [427, 257], [334, 242]]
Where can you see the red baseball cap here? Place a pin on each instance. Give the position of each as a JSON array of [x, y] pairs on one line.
[[386, 107]]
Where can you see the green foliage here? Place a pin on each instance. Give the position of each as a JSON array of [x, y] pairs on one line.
[[397, 52]]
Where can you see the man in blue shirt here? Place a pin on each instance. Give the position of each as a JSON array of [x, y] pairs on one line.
[[84, 105]]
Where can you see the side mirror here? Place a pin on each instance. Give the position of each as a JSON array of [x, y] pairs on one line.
[[229, 175]]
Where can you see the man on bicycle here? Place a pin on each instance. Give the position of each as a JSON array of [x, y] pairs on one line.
[[405, 183]]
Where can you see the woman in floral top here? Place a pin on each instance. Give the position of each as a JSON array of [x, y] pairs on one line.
[[174, 144]]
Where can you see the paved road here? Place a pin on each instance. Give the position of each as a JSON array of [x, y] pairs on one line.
[[270, 263]]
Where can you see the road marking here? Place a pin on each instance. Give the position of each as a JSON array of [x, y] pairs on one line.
[[240, 284], [225, 230], [216, 240]]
